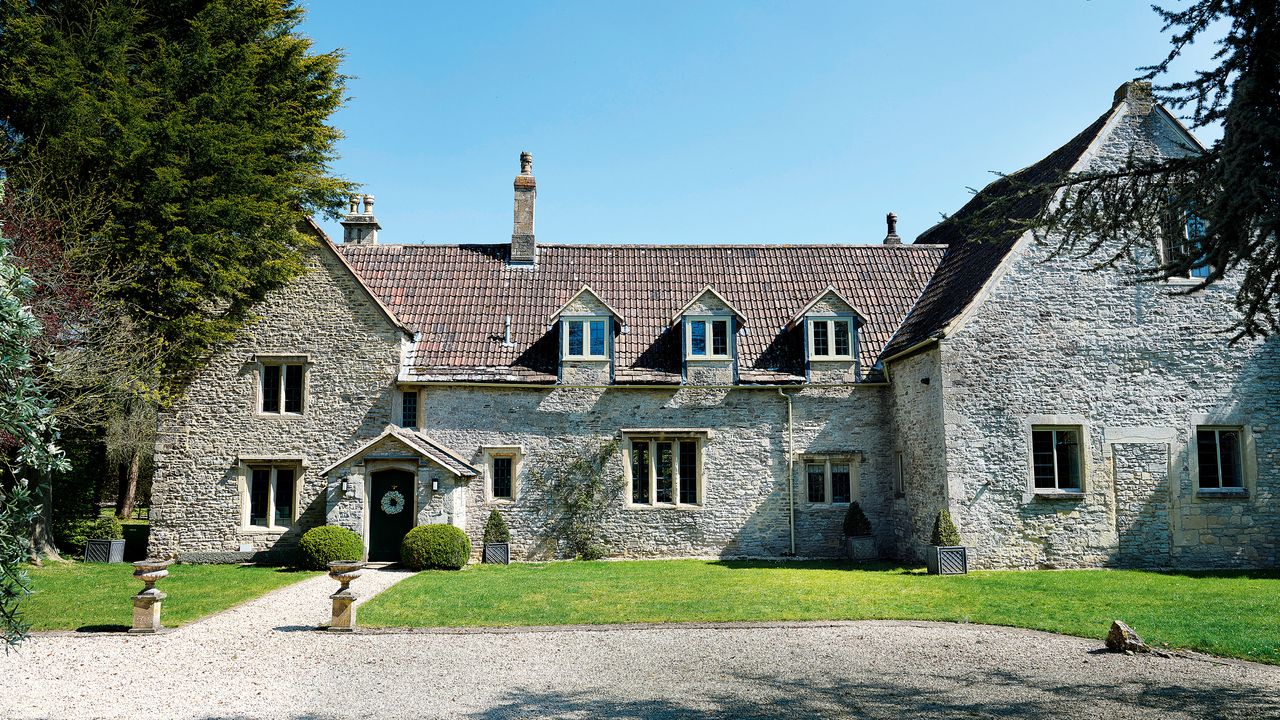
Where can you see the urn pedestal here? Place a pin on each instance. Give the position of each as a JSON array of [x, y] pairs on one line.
[[146, 604], [344, 610]]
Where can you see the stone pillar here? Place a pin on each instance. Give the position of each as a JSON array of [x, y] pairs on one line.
[[146, 604], [344, 609]]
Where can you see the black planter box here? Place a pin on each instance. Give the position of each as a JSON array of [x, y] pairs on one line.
[[947, 559], [497, 553], [104, 551]]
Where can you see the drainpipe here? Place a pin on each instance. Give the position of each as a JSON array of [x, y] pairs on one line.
[[791, 473]]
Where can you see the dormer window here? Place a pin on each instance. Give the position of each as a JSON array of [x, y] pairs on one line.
[[585, 338], [830, 338], [707, 338]]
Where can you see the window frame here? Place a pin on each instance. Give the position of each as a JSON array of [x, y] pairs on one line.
[[1188, 229], [853, 461], [246, 493], [650, 439], [830, 322], [515, 453], [1241, 460], [416, 393], [260, 382], [900, 474], [587, 335], [1081, 459], [710, 320]]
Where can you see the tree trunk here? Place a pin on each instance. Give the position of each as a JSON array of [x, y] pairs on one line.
[[129, 491], [42, 544]]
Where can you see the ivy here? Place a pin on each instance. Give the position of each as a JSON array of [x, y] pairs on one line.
[[581, 485]]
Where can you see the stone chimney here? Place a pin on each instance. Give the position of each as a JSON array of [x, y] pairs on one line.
[[360, 227], [1137, 93], [524, 250], [892, 238]]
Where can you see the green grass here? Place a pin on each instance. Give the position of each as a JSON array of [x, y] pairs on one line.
[[1226, 613], [95, 596]]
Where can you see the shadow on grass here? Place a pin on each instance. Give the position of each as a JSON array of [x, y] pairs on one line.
[[886, 566]]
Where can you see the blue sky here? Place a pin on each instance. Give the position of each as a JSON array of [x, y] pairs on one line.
[[712, 122]]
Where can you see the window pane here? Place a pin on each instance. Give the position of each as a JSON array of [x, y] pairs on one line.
[[597, 337], [409, 409], [663, 462], [1042, 457], [1207, 452], [575, 336], [502, 478], [293, 388], [689, 472], [284, 496], [1229, 451], [1068, 454], [271, 388], [720, 337], [821, 344], [900, 481], [640, 471], [842, 337], [816, 472], [698, 337], [259, 489], [841, 487]]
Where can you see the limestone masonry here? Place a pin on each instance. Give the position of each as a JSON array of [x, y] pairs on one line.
[[732, 401]]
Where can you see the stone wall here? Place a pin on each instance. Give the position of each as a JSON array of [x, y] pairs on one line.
[[915, 411], [353, 353], [746, 498], [1136, 367]]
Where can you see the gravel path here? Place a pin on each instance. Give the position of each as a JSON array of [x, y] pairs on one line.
[[259, 661]]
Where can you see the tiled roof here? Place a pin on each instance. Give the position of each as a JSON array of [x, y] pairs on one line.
[[459, 296], [976, 245]]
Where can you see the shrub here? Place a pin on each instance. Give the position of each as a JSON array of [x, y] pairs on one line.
[[107, 527], [856, 523], [322, 545], [495, 528], [944, 530], [443, 547]]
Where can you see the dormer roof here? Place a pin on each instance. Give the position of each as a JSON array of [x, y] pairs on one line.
[[708, 290], [592, 295], [829, 292]]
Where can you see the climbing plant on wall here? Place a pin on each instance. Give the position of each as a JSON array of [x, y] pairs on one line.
[[581, 483]]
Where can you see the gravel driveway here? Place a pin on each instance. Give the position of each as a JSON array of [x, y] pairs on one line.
[[260, 660]]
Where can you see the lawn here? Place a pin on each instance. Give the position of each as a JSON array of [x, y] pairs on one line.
[[95, 596], [1233, 613]]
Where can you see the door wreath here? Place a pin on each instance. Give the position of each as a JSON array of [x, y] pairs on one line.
[[392, 502]]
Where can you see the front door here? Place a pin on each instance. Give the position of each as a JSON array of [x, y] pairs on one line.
[[390, 513]]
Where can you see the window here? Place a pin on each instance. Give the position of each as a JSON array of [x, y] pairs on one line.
[[586, 338], [282, 388], [1055, 458], [271, 494], [830, 339], [707, 338], [1182, 242], [409, 409], [829, 480], [900, 476], [1219, 456], [665, 471], [504, 466]]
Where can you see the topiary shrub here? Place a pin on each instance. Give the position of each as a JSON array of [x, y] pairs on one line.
[[944, 530], [322, 545], [495, 528], [442, 547], [856, 523]]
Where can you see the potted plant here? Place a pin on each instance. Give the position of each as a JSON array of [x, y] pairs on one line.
[[857, 532], [104, 541], [497, 539], [946, 556]]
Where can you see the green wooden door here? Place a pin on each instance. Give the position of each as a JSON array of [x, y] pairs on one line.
[[390, 513]]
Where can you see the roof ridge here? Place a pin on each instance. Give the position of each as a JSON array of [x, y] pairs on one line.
[[663, 246]]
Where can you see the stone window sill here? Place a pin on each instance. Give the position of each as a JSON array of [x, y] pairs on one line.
[[662, 506], [1045, 494], [1223, 494], [500, 501], [260, 530]]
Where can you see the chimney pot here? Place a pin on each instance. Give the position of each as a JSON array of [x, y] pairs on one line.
[[892, 237], [360, 228], [368, 204]]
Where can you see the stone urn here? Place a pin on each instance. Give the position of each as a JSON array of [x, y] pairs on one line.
[[344, 611], [146, 604]]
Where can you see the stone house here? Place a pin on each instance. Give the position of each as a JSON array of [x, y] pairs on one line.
[[740, 397]]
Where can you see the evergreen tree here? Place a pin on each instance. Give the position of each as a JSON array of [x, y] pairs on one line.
[[201, 125], [1221, 205]]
